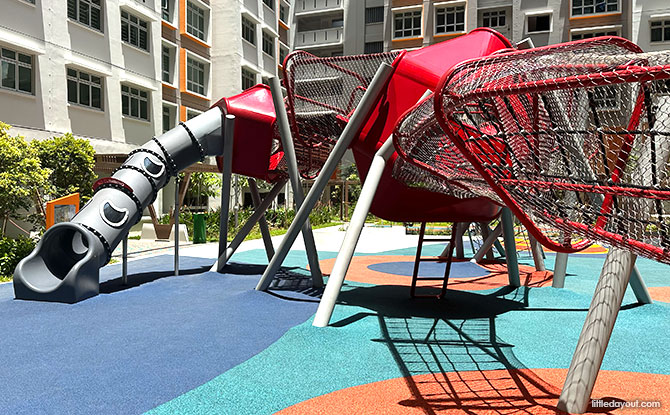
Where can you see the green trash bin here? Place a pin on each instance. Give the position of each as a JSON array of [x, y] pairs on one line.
[[199, 229]]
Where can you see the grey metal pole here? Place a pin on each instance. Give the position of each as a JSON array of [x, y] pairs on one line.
[[488, 243], [639, 287], [262, 223], [560, 269], [343, 260], [485, 235], [176, 225], [124, 258], [510, 247], [536, 250], [460, 231], [226, 174], [248, 226], [294, 176], [350, 131], [596, 332]]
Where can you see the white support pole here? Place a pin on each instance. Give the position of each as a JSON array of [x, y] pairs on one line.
[[596, 332], [294, 178], [176, 225], [560, 269], [124, 258], [262, 223], [639, 287], [346, 138], [248, 225], [488, 242], [338, 274], [226, 175], [510, 247], [485, 235], [538, 254]]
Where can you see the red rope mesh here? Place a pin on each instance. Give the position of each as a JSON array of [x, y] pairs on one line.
[[572, 136], [322, 93]]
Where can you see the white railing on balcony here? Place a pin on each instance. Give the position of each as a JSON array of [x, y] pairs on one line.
[[319, 37], [305, 6]]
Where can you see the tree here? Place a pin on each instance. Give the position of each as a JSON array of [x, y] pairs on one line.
[[71, 161], [21, 176]]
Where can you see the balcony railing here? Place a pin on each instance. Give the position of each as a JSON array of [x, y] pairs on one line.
[[306, 6], [319, 37]]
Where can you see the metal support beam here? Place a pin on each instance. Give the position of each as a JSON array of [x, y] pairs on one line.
[[596, 332], [262, 223], [346, 138], [639, 287], [537, 252], [337, 275], [248, 225], [485, 235], [294, 178], [176, 225], [488, 242], [124, 259], [226, 175], [560, 268], [510, 247]]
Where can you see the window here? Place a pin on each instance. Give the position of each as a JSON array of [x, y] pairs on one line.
[[407, 24], [374, 14], [539, 23], [190, 114], [165, 10], [374, 47], [248, 31], [283, 13], [268, 44], [660, 31], [134, 102], [134, 31], [168, 116], [282, 55], [195, 21], [270, 4], [450, 19], [495, 18], [86, 12], [582, 7], [195, 76], [17, 70], [605, 97], [248, 79], [589, 35], [337, 23], [166, 65], [84, 89]]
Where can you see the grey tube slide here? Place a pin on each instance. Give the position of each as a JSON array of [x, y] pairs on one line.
[[65, 264]]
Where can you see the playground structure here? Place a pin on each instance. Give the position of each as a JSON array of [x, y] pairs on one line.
[[451, 132]]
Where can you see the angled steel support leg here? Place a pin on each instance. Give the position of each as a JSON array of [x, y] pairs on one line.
[[488, 242], [350, 131], [639, 287], [538, 254], [337, 275], [510, 247], [226, 174], [262, 223], [124, 265], [596, 332], [294, 176], [248, 225]]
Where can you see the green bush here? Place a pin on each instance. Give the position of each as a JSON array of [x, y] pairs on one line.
[[71, 161], [11, 252]]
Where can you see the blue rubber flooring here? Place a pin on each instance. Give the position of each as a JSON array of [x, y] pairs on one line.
[[133, 348], [463, 269]]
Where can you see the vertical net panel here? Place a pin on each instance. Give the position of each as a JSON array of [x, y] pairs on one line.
[[322, 95], [573, 136]]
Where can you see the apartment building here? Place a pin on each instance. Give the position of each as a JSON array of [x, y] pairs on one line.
[[89, 67], [251, 39], [651, 24]]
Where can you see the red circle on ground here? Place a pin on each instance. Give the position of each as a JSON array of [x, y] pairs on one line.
[[497, 277], [525, 391]]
